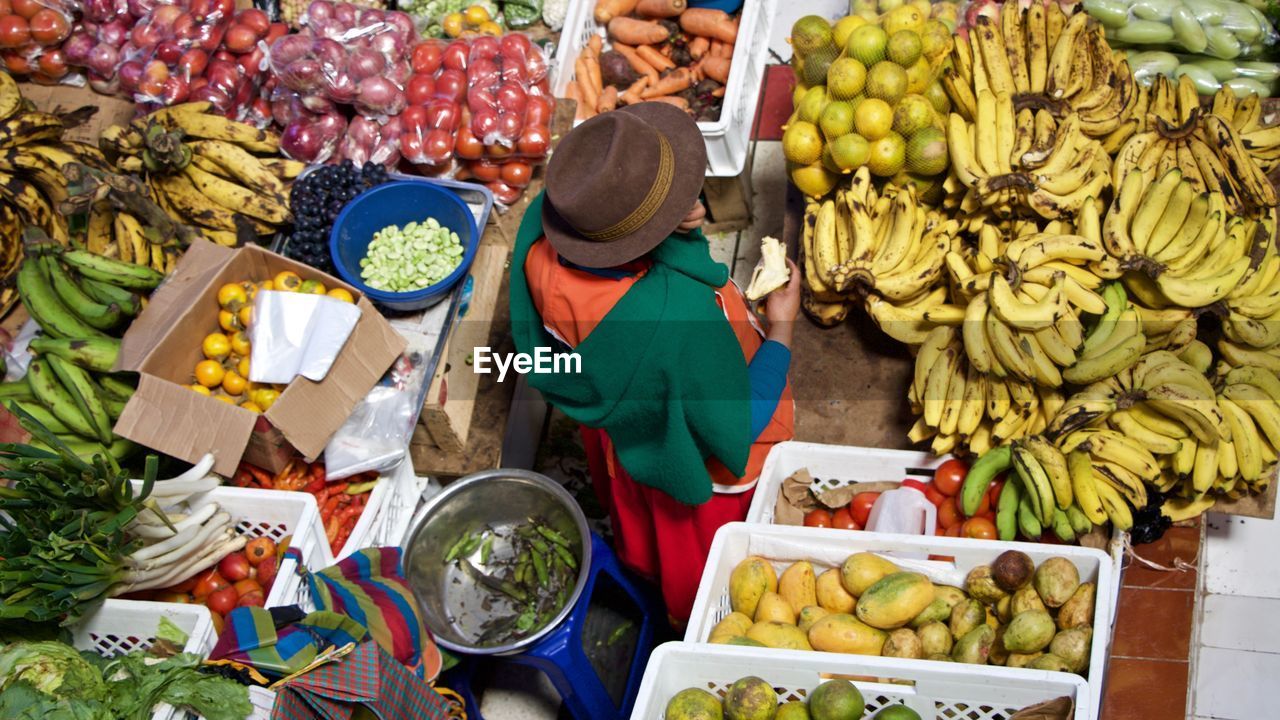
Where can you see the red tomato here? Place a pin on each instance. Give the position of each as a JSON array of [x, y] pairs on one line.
[[486, 171], [861, 506], [14, 31], [259, 549], [420, 90], [208, 582], [934, 496], [49, 27], [53, 63], [186, 586], [27, 9], [509, 127], [255, 20], [948, 514], [954, 530], [845, 520], [411, 147], [820, 517], [466, 146], [252, 599], [443, 115], [5, 8], [234, 567], [977, 527], [940, 531], [173, 597], [414, 119], [427, 57], [950, 476], [485, 48], [538, 110], [240, 38], [222, 601], [989, 515], [217, 622], [504, 193], [983, 505], [515, 44], [451, 85], [266, 572], [246, 586], [517, 174], [993, 492], [512, 98], [16, 63], [437, 146], [455, 55], [534, 141]]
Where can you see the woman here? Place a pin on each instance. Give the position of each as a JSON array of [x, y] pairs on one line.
[[681, 394]]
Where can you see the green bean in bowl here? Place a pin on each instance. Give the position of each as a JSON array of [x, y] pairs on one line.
[[404, 259]]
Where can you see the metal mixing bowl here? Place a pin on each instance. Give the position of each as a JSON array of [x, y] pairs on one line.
[[451, 604]]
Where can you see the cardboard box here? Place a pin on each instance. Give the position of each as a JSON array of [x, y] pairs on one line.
[[163, 345], [64, 98]]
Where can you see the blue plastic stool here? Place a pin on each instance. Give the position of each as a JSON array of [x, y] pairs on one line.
[[559, 655]]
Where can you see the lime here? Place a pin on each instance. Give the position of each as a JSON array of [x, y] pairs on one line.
[[812, 104], [887, 155], [849, 152], [936, 39], [810, 33], [938, 97], [817, 63], [867, 44], [907, 17], [814, 179], [887, 81], [912, 113], [836, 700], [873, 119], [926, 152], [846, 25], [798, 94], [897, 712], [845, 78], [919, 76], [887, 5], [904, 47], [794, 710], [801, 143], [694, 704], [837, 119], [865, 9]]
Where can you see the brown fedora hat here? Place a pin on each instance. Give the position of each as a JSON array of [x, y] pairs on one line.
[[621, 182]]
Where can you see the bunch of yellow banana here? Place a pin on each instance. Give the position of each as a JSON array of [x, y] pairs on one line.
[[1008, 160], [1252, 313], [961, 407], [205, 170], [32, 153], [1245, 116], [820, 301], [1206, 146]]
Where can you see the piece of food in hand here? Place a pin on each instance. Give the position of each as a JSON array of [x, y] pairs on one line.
[[771, 272]]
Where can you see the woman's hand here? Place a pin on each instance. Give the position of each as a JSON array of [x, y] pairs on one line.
[[694, 219], [782, 306]]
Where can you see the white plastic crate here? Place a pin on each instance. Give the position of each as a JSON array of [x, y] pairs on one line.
[[827, 548], [122, 626], [275, 514], [934, 690], [727, 138], [836, 466], [384, 510]]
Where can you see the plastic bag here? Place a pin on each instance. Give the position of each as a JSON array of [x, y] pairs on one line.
[[1209, 74], [297, 334], [31, 33], [1221, 29]]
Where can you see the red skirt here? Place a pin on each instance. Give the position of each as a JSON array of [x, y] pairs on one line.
[[656, 536]]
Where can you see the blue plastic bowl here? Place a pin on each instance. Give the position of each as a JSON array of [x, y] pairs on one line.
[[729, 6], [400, 203]]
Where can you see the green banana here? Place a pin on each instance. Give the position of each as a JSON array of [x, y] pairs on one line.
[[1079, 522], [1036, 482], [105, 269], [50, 392], [1028, 520], [45, 307], [87, 449], [1007, 510], [979, 478], [108, 294], [41, 414], [115, 387], [113, 405], [97, 354], [85, 395], [101, 316], [16, 390], [1062, 526]]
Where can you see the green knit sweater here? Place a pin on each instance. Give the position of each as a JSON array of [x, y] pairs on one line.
[[662, 373]]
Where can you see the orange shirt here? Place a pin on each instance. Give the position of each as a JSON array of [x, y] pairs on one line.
[[572, 302]]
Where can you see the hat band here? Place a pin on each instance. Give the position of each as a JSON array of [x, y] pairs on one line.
[[645, 211]]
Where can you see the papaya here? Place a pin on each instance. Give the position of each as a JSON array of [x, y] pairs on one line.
[[844, 633], [733, 624], [779, 636], [862, 570], [749, 581], [772, 608], [744, 641], [1078, 611], [894, 600], [810, 615], [832, 594], [798, 586]]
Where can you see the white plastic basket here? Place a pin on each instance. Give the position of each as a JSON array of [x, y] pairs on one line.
[[835, 466], [727, 138], [384, 511], [122, 626], [934, 690], [828, 548]]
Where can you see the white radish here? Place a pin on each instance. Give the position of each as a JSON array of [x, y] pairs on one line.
[[199, 517], [220, 522]]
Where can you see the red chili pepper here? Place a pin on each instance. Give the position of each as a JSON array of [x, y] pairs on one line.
[[242, 478], [280, 476], [331, 529], [318, 473], [315, 486], [330, 505], [262, 477]]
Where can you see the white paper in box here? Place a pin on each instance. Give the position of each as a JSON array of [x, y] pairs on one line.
[[827, 548], [934, 690]]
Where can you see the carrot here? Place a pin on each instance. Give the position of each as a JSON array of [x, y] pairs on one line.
[[654, 58], [637, 32], [608, 99], [661, 8], [572, 93], [634, 93], [596, 44], [607, 10], [718, 92], [672, 100], [593, 73], [698, 47], [637, 63], [726, 50], [675, 81], [711, 23], [717, 69]]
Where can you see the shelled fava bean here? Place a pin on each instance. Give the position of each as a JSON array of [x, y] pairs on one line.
[[404, 259]]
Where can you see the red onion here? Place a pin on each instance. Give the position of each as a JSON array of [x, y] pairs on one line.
[[345, 13], [318, 104], [364, 63], [341, 88], [369, 17], [104, 10], [402, 22], [213, 95], [330, 53], [362, 131], [380, 96], [399, 73], [103, 59], [113, 32], [78, 48], [303, 75], [105, 86], [318, 10], [389, 43], [308, 141], [331, 125], [289, 48]]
